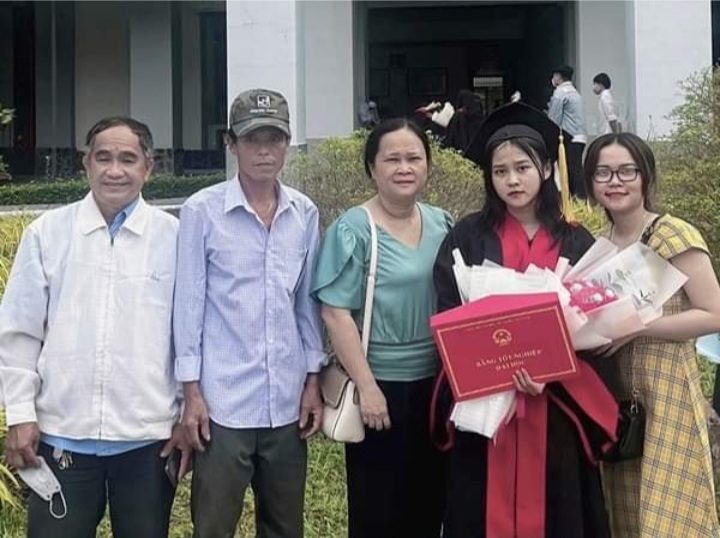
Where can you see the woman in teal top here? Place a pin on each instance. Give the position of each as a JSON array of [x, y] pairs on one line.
[[395, 476]]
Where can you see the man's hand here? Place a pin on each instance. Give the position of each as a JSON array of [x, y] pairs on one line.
[[311, 408], [373, 408], [179, 441], [21, 445], [524, 383], [195, 418]]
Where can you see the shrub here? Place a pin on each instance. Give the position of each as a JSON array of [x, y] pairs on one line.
[[66, 191], [689, 159]]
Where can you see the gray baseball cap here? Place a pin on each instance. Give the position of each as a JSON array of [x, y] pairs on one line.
[[257, 108]]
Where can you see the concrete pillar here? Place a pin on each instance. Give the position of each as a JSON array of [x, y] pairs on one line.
[[672, 40], [151, 65], [192, 78], [54, 74], [265, 50], [329, 68], [602, 46], [102, 66]]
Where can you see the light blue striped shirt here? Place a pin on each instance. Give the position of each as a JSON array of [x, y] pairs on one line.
[[98, 447], [244, 323], [566, 109]]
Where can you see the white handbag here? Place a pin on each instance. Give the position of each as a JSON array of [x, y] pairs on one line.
[[341, 414]]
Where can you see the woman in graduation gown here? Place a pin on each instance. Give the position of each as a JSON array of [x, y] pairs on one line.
[[539, 478]]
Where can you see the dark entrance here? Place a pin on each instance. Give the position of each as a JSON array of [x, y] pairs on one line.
[[419, 54], [21, 159]]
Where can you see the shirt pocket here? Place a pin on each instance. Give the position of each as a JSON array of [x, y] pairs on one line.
[[157, 288], [291, 267]]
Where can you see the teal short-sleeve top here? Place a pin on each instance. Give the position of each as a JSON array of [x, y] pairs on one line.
[[401, 347]]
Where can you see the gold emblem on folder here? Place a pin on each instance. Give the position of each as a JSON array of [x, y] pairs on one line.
[[502, 337]]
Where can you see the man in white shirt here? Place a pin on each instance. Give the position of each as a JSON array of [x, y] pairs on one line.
[[566, 109], [85, 349], [608, 112]]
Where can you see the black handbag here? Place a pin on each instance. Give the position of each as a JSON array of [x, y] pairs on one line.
[[630, 432]]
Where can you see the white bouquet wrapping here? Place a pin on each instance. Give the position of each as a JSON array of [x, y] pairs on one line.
[[607, 295]]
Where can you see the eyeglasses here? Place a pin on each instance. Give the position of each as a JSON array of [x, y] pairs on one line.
[[625, 174]]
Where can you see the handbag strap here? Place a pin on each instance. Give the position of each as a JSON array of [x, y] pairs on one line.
[[647, 233], [370, 288]]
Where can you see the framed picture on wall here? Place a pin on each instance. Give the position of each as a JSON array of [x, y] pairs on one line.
[[379, 85], [427, 82]]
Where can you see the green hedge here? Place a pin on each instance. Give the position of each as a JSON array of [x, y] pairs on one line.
[[71, 190]]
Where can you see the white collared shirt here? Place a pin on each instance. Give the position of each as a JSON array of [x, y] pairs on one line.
[[607, 110], [85, 325]]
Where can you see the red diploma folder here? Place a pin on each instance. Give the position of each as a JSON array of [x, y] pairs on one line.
[[484, 342]]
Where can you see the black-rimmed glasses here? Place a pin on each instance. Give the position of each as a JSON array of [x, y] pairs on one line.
[[625, 174]]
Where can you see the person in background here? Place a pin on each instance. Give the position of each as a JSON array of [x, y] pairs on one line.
[[669, 491], [247, 334], [607, 109], [566, 110], [395, 476], [469, 115], [86, 348]]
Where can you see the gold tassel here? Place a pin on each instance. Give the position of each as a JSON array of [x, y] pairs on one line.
[[565, 202]]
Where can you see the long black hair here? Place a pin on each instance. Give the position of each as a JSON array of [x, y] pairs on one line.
[[547, 203]]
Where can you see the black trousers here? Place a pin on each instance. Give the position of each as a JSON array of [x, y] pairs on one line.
[[395, 477], [133, 483], [574, 152]]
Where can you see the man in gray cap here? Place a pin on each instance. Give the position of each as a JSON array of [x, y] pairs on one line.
[[248, 337]]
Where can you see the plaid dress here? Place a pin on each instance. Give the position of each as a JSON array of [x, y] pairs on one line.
[[669, 492]]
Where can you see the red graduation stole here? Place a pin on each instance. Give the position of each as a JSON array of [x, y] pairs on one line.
[[517, 460]]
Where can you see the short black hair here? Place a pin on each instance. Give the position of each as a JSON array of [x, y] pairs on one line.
[[372, 145], [138, 128], [565, 71], [603, 79]]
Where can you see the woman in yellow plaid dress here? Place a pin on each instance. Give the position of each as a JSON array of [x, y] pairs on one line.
[[668, 493]]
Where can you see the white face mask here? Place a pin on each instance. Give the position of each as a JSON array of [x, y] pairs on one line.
[[44, 482]]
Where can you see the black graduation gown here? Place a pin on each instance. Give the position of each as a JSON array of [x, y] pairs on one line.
[[574, 498]]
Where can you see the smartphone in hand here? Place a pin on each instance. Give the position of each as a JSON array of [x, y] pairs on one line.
[[172, 466]]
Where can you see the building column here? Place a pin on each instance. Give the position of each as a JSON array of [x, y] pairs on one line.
[[671, 41], [602, 47], [151, 75], [55, 89], [303, 49], [329, 54], [265, 50]]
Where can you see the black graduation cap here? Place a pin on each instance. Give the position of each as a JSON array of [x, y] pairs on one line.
[[520, 120], [510, 121]]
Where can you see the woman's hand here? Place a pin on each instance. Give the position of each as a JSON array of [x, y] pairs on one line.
[[610, 349], [373, 407], [524, 383]]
